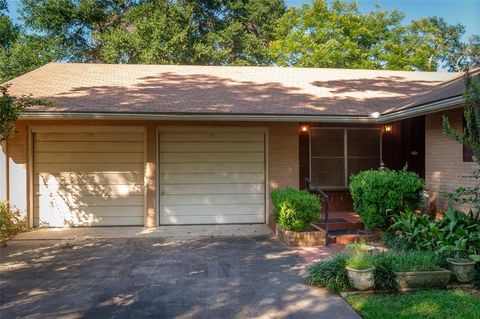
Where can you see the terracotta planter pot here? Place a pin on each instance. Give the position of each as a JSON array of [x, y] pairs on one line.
[[361, 279], [424, 279], [464, 271]]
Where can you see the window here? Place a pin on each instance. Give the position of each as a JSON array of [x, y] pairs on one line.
[[337, 153]]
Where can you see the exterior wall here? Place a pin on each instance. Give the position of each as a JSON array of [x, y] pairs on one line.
[[3, 171], [444, 159], [282, 157]]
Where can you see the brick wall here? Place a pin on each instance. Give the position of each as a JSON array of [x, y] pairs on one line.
[[282, 156], [444, 158]]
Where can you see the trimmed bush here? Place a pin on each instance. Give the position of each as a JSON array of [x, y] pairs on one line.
[[12, 222], [377, 195], [295, 209]]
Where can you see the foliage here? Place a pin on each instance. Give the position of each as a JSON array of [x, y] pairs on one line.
[[295, 209], [360, 261], [426, 304], [12, 222], [456, 234], [337, 34], [376, 195], [330, 273], [470, 137], [10, 109], [476, 279], [228, 32], [384, 275], [415, 260], [158, 31]]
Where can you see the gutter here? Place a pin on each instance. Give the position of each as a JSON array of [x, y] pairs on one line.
[[445, 104], [432, 107], [196, 117]]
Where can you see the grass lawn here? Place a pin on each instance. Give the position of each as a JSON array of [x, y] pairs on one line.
[[420, 304]]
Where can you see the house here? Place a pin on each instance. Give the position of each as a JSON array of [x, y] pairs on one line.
[[165, 145]]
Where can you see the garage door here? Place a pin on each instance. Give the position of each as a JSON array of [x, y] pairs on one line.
[[212, 176], [89, 176]]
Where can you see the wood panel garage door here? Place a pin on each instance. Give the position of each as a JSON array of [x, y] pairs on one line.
[[212, 176], [89, 176]]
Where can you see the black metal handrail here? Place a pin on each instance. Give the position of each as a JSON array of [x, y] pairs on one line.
[[315, 188]]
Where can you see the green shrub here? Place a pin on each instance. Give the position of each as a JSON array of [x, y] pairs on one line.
[[295, 209], [330, 273], [12, 222], [377, 195]]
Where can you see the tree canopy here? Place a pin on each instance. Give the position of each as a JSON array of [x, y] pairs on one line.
[[228, 32]]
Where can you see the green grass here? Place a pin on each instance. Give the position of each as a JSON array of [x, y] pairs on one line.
[[427, 304]]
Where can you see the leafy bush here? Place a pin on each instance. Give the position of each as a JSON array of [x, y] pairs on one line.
[[330, 273], [378, 194], [456, 234], [295, 209], [12, 222]]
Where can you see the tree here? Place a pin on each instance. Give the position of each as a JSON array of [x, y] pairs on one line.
[[337, 34], [158, 31], [10, 110], [21, 52], [470, 137]]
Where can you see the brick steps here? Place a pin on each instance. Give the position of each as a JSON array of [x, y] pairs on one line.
[[346, 239], [346, 228]]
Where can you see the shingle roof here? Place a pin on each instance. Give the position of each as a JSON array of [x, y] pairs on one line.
[[77, 87]]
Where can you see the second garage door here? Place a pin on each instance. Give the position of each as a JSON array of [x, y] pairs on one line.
[[212, 176]]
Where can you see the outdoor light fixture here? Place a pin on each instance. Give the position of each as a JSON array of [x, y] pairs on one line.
[[304, 128], [387, 128], [375, 115]]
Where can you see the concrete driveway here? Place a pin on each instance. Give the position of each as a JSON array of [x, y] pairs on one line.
[[226, 277]]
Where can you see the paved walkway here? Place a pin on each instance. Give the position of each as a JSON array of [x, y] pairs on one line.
[[228, 277], [178, 232]]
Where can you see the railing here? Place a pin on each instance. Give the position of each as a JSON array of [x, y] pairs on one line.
[[315, 188]]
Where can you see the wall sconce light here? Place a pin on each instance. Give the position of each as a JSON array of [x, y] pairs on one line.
[[387, 128], [304, 129]]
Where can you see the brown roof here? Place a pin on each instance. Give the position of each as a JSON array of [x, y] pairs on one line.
[[76, 87]]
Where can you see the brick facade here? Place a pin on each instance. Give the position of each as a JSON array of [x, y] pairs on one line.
[[444, 163], [282, 157]]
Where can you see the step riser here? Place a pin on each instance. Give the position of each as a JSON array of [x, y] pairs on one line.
[[342, 226]]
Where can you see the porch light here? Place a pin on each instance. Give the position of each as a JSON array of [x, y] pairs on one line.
[[387, 128], [304, 128]]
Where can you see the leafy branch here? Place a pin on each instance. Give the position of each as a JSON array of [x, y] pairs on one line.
[[10, 110]]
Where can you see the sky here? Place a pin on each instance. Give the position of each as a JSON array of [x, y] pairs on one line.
[[466, 12]]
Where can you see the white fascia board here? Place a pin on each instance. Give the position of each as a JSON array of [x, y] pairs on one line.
[[196, 117]]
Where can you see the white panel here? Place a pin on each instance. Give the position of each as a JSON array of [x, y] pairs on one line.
[[219, 219], [212, 177], [212, 157], [205, 147], [3, 173], [18, 185]]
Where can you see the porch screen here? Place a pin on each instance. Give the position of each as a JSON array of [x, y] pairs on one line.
[[337, 153]]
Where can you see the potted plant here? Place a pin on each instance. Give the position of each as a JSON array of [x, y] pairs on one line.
[[418, 269], [361, 271], [462, 268]]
